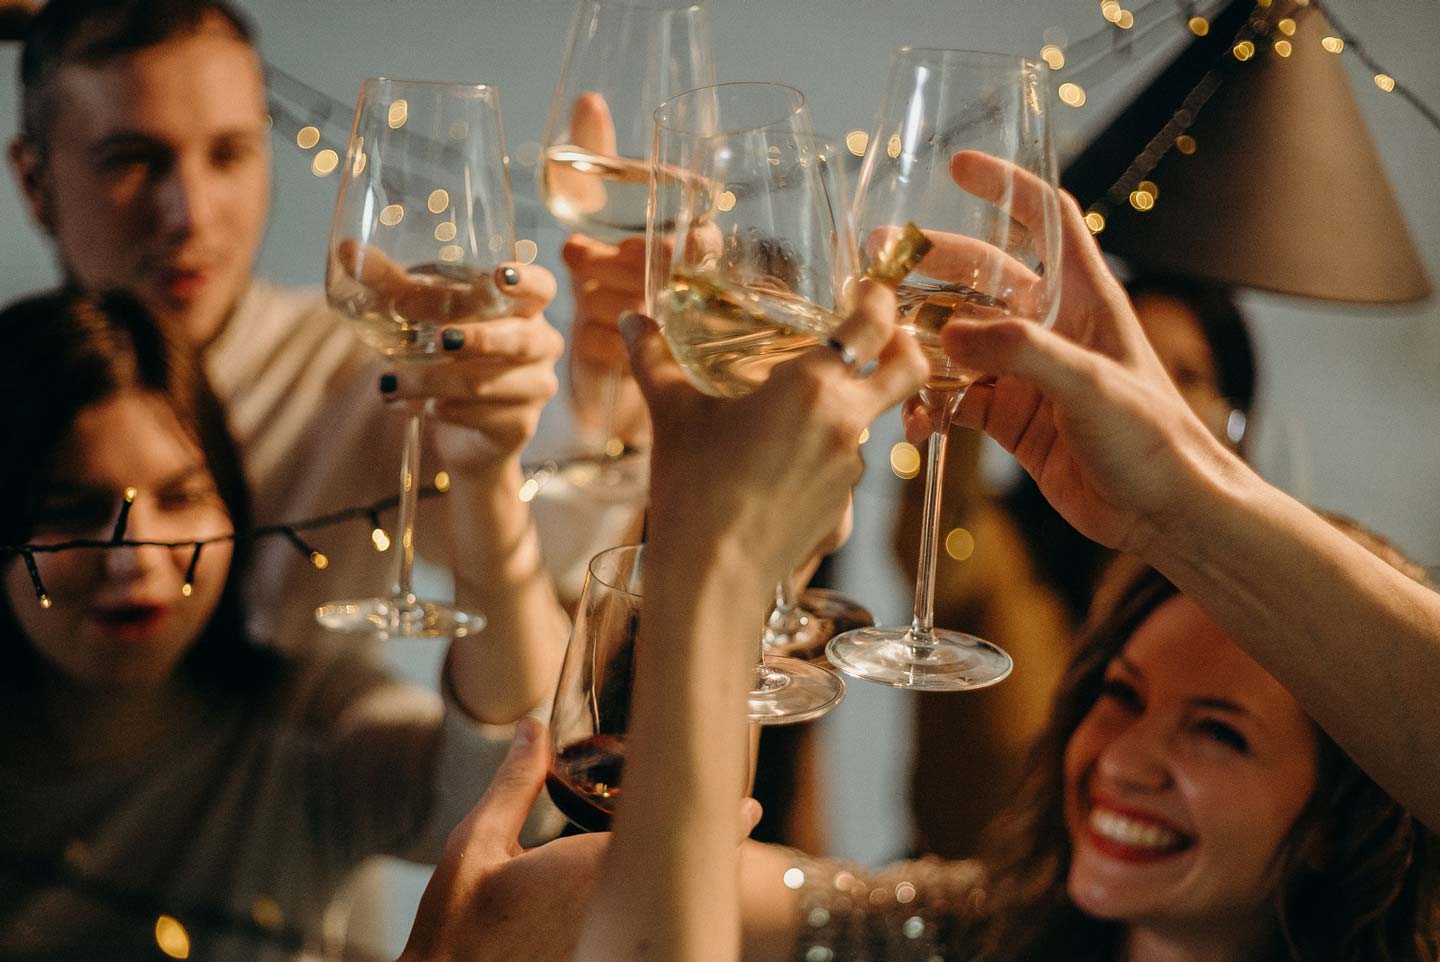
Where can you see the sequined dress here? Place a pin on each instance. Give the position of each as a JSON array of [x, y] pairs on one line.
[[906, 912]]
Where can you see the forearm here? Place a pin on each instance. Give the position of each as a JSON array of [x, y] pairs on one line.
[[1356, 642], [511, 666], [676, 833]]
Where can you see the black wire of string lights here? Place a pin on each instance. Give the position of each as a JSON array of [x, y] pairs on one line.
[[1096, 50], [291, 531], [1124, 28]]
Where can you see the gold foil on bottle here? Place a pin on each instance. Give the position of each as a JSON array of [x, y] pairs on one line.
[[899, 256]]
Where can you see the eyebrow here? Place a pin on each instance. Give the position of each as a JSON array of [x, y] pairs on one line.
[[122, 139], [1202, 701]]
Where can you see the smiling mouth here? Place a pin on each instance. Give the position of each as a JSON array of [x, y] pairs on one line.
[[1130, 838]]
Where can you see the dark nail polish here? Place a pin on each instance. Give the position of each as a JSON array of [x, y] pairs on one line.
[[510, 276], [388, 384], [452, 339]]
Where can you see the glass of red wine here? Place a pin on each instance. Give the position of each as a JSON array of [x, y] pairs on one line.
[[592, 700]]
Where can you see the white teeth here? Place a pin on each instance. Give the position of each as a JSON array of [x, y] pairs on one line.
[[1129, 831]]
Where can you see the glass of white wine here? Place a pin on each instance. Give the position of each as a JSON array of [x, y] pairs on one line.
[[993, 240], [423, 218], [750, 258], [623, 58]]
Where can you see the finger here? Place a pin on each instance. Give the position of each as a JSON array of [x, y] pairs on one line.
[[901, 372], [596, 346], [589, 257], [530, 287], [750, 814], [1028, 198], [512, 340], [591, 125], [867, 329], [480, 380], [369, 265], [956, 257], [603, 306], [1064, 370], [491, 831], [651, 362]]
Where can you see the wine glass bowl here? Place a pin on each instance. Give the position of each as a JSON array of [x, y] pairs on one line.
[[423, 218]]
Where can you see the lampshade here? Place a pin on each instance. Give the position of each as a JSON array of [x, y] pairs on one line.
[[1283, 190]]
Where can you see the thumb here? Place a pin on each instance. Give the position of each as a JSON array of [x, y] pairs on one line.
[[653, 365], [1066, 372], [493, 826]]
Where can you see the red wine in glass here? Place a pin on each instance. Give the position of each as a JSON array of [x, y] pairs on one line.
[[584, 781]]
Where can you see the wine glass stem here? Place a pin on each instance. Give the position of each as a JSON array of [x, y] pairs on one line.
[[942, 408], [610, 413], [787, 619], [405, 519]]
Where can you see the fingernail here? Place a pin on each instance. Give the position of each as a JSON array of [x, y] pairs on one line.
[[632, 324], [526, 729], [388, 384], [452, 339], [509, 276]]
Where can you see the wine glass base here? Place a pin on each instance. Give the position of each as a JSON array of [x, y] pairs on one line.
[[940, 661], [824, 613], [794, 691], [397, 618]]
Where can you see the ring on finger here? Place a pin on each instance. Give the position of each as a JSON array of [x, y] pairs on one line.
[[842, 351]]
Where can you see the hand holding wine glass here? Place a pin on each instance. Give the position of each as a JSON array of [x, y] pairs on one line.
[[622, 59], [423, 222]]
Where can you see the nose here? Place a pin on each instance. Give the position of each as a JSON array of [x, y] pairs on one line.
[[134, 562], [1137, 757], [185, 199]]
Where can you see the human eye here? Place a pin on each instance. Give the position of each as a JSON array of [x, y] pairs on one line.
[[131, 158], [74, 513], [231, 152], [1120, 692], [190, 494], [1223, 733]]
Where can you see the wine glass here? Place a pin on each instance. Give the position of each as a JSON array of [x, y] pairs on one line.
[[423, 219], [993, 254], [749, 258], [623, 58], [592, 698]]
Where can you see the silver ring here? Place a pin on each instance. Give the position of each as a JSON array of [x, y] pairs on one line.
[[847, 356]]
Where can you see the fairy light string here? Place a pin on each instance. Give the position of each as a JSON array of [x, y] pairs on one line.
[[290, 531], [1262, 33]]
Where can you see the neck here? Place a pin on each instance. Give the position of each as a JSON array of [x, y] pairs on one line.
[[1238, 941]]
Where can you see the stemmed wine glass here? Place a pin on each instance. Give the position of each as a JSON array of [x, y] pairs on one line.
[[991, 252], [423, 219], [592, 698], [749, 257], [623, 58]]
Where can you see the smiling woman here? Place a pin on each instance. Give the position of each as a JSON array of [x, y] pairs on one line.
[[1179, 804]]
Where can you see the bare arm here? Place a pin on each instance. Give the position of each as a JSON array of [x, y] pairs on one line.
[[1089, 412]]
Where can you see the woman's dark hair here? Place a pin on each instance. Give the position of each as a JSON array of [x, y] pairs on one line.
[[66, 351], [1357, 873], [1221, 323]]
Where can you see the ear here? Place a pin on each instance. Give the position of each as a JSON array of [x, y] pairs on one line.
[[28, 165]]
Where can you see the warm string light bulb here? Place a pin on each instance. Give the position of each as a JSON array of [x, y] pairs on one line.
[[126, 501]]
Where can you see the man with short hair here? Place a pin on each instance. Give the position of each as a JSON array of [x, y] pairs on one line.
[[144, 154]]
